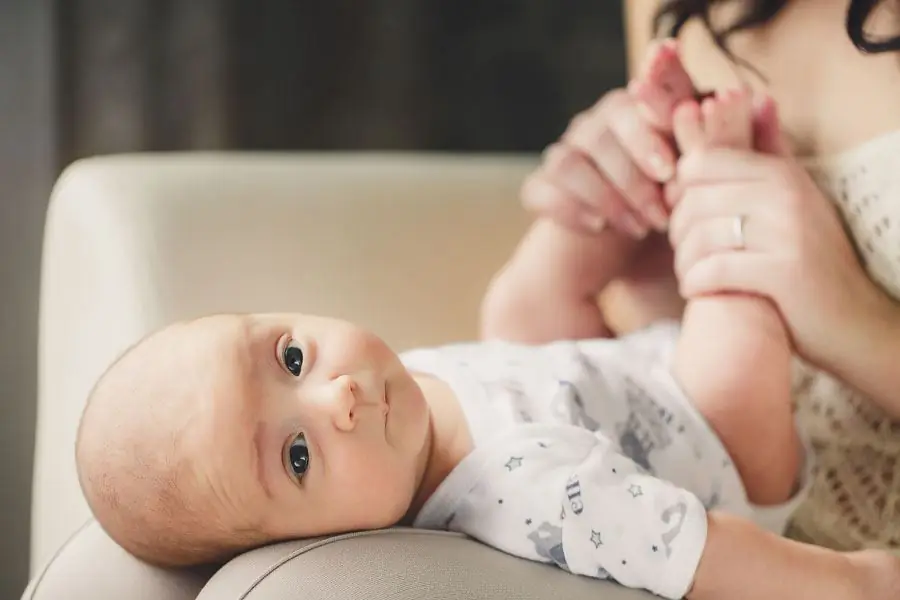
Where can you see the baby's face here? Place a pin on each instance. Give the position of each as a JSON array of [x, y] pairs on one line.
[[309, 425]]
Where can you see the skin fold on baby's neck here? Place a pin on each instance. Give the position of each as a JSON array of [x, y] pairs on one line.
[[449, 441]]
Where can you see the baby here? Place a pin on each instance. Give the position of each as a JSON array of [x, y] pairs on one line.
[[651, 460]]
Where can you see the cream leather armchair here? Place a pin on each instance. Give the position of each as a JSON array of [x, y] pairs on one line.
[[404, 244]]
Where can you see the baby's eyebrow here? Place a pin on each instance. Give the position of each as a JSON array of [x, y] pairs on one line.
[[259, 463]]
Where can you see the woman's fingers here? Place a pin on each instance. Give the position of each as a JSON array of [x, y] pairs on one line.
[[728, 200], [733, 272], [571, 189], [573, 170], [649, 149], [716, 165], [545, 197], [624, 149], [711, 236], [630, 159]]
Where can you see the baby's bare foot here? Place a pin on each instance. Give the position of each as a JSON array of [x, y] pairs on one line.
[[722, 120], [687, 125], [728, 119], [662, 84]]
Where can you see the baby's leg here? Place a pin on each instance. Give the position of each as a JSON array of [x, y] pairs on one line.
[[549, 289], [734, 357]]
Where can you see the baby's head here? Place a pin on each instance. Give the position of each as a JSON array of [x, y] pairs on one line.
[[214, 436]]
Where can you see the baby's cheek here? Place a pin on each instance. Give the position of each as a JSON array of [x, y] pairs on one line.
[[378, 490], [356, 348]]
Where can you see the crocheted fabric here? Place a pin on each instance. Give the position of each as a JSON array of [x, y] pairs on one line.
[[855, 498]]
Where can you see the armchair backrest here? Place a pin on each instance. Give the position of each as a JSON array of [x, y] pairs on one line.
[[404, 244]]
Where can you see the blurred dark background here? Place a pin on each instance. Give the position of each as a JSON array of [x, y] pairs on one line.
[[460, 75], [86, 77]]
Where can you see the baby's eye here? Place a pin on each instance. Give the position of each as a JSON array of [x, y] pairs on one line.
[[298, 456], [292, 356]]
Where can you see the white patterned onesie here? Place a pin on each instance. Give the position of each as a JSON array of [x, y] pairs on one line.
[[588, 456]]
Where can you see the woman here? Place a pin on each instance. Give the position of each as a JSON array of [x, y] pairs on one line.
[[832, 70]]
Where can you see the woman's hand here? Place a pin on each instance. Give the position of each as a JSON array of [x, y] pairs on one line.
[[794, 249], [610, 162], [606, 168]]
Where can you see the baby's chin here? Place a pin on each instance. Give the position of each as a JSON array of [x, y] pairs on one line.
[[387, 516]]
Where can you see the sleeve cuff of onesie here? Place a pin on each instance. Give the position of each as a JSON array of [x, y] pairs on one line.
[[642, 532], [688, 540], [684, 543]]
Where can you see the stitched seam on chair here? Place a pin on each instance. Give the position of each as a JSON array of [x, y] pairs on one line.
[[339, 538], [59, 551]]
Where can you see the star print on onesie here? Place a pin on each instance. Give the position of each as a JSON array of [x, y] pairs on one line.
[[624, 525]]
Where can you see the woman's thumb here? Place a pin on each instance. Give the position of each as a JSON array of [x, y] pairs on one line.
[[767, 133]]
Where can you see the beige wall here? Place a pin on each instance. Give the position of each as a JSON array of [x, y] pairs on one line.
[[26, 173]]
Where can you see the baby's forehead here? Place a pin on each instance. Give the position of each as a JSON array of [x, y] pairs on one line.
[[193, 354], [202, 368], [225, 336]]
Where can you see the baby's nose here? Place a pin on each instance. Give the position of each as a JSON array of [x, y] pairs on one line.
[[340, 401]]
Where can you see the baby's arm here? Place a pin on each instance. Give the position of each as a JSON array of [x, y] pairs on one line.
[[733, 357], [548, 290]]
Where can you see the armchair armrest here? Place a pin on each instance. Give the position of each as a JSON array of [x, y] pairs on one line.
[[389, 564], [398, 563]]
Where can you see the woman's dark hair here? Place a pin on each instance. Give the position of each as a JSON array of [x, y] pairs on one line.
[[675, 13]]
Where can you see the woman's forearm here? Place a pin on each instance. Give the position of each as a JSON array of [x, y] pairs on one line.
[[870, 360]]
